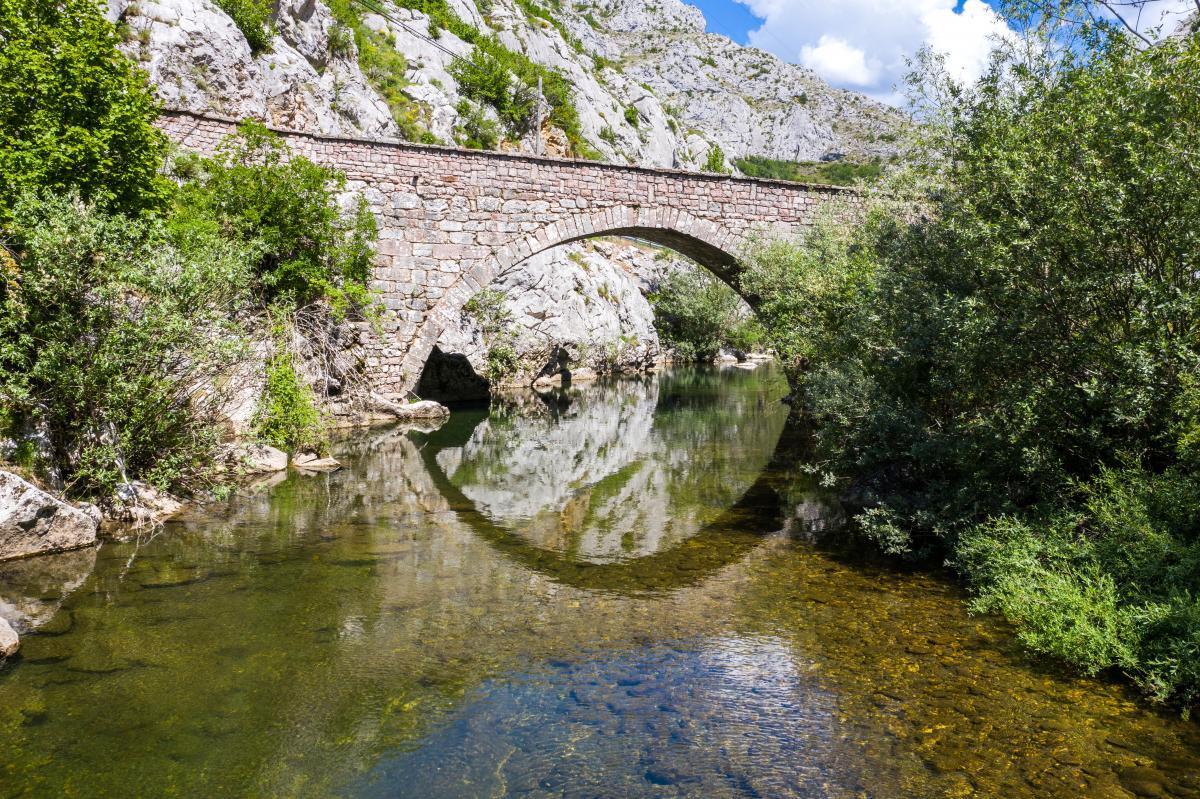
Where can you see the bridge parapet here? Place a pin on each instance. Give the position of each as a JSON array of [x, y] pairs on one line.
[[451, 220]]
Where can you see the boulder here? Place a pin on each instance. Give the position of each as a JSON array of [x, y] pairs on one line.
[[409, 411], [141, 503], [312, 462], [33, 522], [583, 374], [262, 459], [547, 382], [423, 409], [9, 642]]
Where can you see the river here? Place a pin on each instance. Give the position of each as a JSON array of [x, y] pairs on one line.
[[611, 591]]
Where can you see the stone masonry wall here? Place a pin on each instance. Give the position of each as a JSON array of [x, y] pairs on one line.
[[451, 220]]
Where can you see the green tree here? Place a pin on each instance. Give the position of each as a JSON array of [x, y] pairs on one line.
[[285, 209], [108, 331], [1003, 375], [695, 314], [75, 115]]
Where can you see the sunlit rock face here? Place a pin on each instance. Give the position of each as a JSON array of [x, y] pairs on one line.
[[650, 86], [584, 305], [617, 471], [198, 60]]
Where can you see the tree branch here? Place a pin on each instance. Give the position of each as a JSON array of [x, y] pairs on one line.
[[1123, 21]]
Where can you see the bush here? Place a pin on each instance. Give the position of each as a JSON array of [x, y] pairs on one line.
[[715, 160], [487, 80], [108, 330], [1007, 375], [476, 129], [487, 308], [507, 81], [253, 19], [284, 209], [695, 314], [1109, 585], [75, 116], [287, 415]]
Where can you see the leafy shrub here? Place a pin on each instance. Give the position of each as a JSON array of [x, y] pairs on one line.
[[836, 173], [285, 209], [75, 115], [487, 307], [632, 116], [488, 310], [507, 81], [108, 328], [501, 361], [486, 79], [694, 314], [476, 129], [253, 19], [287, 415], [715, 160], [1110, 585], [341, 40]]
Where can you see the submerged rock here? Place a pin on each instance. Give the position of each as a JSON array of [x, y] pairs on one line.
[[33, 522], [9, 642]]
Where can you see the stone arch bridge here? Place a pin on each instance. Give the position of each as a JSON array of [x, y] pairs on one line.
[[451, 220]]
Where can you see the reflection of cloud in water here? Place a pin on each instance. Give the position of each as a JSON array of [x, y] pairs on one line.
[[711, 717], [621, 472]]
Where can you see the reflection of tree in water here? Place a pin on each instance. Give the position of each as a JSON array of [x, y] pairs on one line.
[[625, 469]]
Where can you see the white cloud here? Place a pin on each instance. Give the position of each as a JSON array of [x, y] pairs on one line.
[[839, 61], [863, 44]]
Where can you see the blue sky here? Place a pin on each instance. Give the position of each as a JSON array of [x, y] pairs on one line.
[[864, 45], [735, 20], [728, 18]]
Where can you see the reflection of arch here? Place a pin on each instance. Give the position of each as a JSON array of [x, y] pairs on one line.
[[708, 243], [723, 541]]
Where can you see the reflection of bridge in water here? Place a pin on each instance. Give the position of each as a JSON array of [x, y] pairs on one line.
[[640, 486]]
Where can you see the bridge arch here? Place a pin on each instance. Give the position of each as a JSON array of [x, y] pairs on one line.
[[706, 242], [450, 220]]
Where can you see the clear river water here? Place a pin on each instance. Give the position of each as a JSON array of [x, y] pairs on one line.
[[612, 591]]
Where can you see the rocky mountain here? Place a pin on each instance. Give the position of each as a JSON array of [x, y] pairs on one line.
[[626, 81]]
